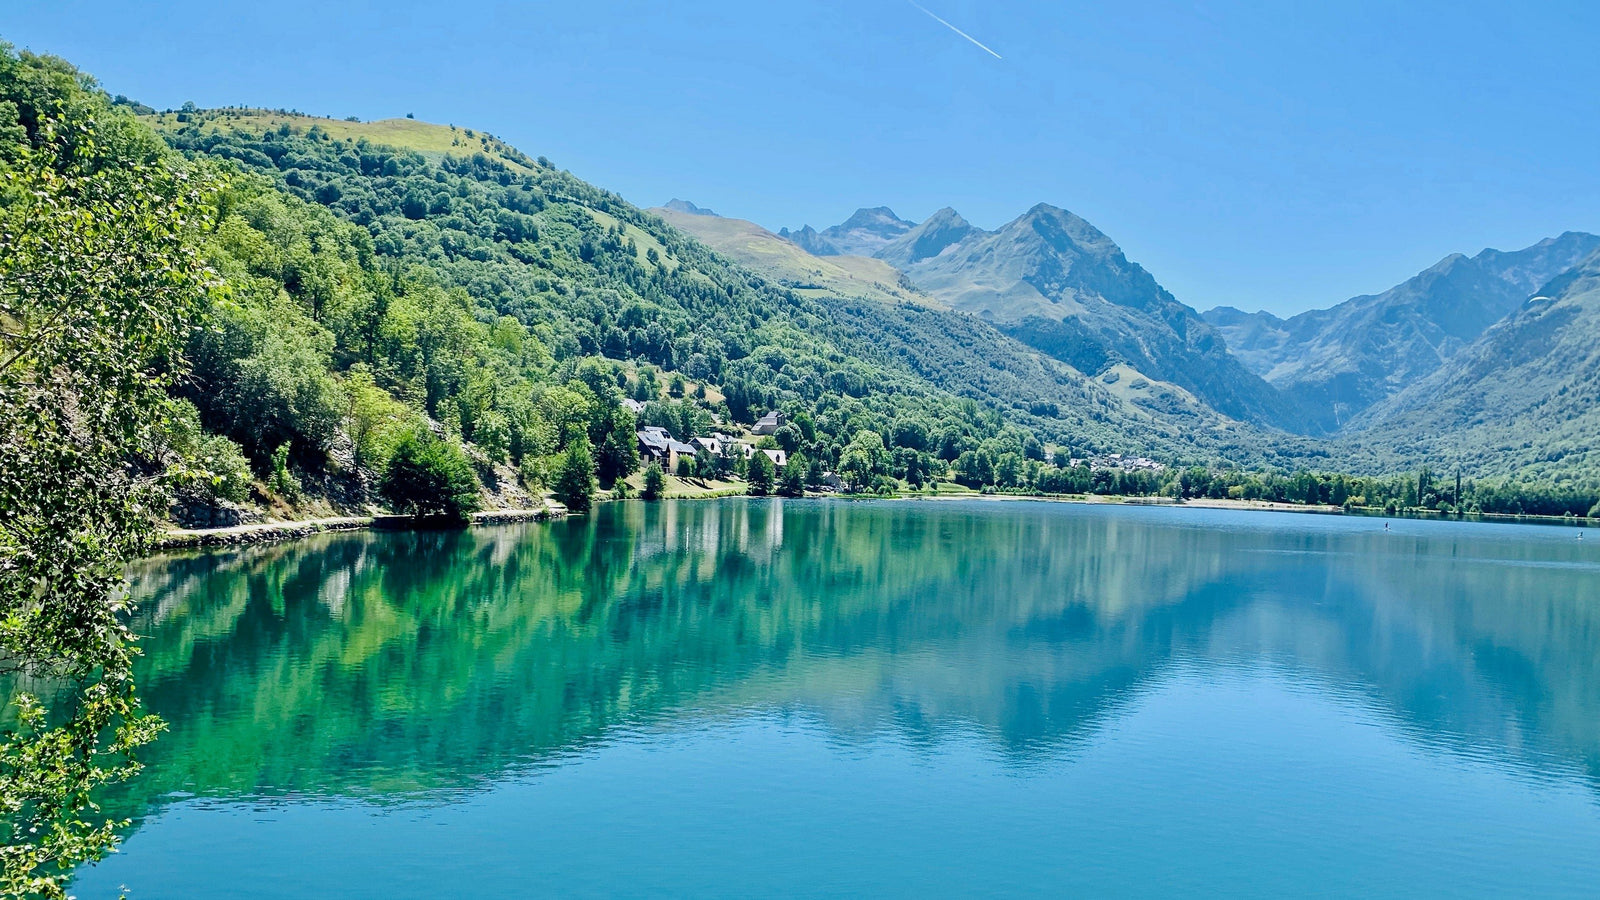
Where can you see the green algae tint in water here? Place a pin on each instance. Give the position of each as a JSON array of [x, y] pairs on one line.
[[921, 699]]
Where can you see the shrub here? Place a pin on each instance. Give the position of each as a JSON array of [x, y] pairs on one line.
[[227, 466], [280, 480], [655, 482], [204, 465], [427, 476], [534, 473]]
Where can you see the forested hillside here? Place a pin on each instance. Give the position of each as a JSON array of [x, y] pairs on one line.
[[563, 271]]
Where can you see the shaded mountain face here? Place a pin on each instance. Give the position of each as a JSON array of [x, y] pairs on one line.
[[1523, 398], [684, 206], [1338, 362], [863, 234], [810, 241], [942, 230]]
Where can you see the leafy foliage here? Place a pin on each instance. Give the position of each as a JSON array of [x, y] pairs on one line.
[[760, 474], [655, 482], [99, 281], [574, 480], [426, 476]]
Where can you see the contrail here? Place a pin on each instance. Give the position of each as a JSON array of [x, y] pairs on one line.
[[955, 29]]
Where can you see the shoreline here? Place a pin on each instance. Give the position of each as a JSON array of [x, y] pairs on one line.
[[278, 532], [1365, 512]]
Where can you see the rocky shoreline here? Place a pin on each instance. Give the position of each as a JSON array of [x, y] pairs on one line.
[[274, 532]]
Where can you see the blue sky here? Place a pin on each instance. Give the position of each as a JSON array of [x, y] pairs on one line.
[[1264, 155]]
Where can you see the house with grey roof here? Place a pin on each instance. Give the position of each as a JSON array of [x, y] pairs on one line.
[[770, 423], [657, 445]]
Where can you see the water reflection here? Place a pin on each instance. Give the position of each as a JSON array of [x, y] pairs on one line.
[[394, 665]]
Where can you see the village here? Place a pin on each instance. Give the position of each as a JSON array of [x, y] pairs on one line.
[[722, 455], [718, 454]]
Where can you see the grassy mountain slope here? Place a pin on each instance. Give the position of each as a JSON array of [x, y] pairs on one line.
[[783, 261], [1523, 399], [1337, 362], [1156, 411], [431, 140]]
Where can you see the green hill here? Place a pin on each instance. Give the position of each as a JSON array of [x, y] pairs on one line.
[[431, 140], [592, 275]]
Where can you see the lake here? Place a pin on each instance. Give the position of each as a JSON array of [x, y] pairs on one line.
[[753, 698]]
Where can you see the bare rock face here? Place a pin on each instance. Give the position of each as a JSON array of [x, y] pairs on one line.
[[501, 488], [345, 485], [200, 512]]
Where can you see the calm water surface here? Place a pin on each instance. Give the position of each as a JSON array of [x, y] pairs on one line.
[[749, 698]]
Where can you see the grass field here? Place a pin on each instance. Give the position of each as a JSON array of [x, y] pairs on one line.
[[687, 489], [747, 243], [426, 138]]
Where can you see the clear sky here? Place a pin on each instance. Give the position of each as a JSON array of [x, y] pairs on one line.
[[1276, 155]]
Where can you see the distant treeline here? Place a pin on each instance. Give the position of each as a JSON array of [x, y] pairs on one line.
[[1423, 490]]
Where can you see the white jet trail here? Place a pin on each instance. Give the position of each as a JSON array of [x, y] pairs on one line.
[[955, 29]]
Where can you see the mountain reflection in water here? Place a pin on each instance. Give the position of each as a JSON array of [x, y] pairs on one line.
[[394, 665]]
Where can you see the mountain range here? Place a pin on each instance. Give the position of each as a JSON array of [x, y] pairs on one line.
[[1338, 362], [1485, 360], [1521, 399], [1056, 283]]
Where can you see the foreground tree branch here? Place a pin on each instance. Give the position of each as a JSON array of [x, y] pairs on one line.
[[99, 282]]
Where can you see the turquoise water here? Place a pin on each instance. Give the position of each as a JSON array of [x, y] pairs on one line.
[[755, 698]]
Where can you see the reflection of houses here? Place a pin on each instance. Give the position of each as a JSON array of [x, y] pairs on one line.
[[658, 446], [770, 423]]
